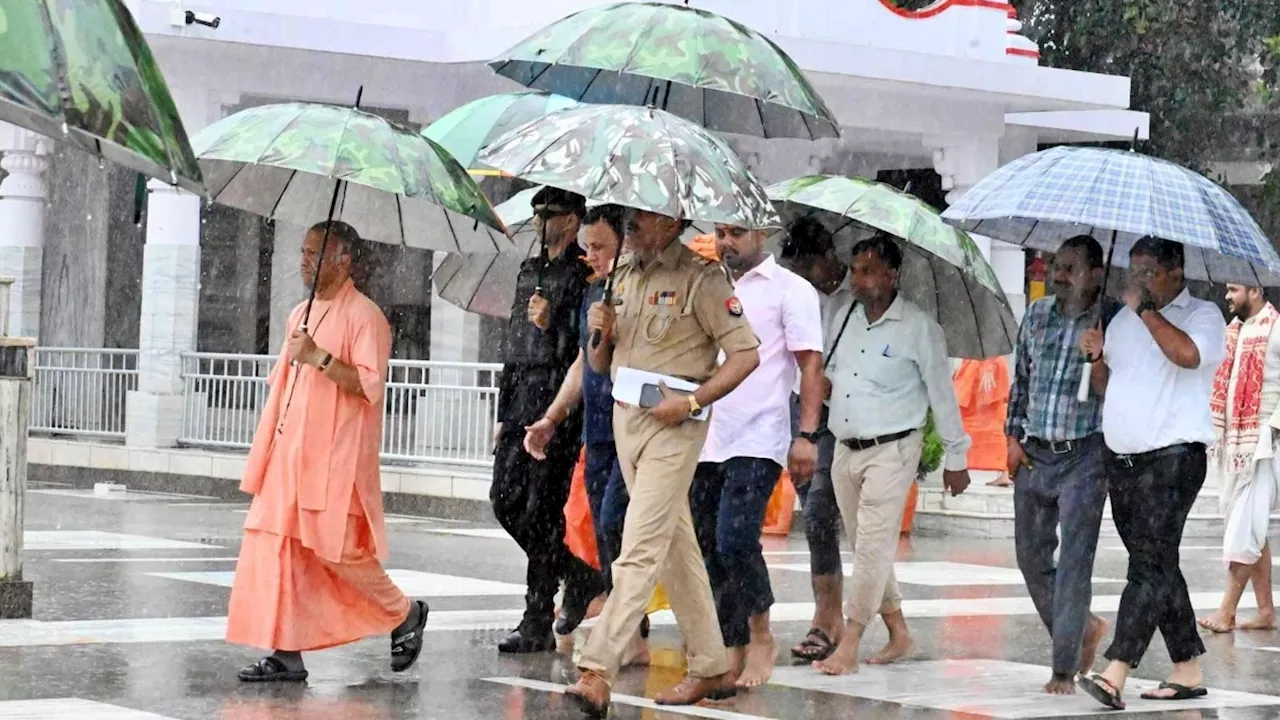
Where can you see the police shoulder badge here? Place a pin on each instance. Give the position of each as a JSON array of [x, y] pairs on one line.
[[734, 306]]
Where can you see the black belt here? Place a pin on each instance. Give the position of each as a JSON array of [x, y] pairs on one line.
[[1139, 458], [1063, 447], [860, 444]]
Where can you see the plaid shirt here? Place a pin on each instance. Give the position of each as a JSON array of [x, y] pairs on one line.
[[1042, 401]]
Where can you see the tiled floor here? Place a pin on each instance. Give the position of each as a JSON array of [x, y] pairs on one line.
[[131, 598]]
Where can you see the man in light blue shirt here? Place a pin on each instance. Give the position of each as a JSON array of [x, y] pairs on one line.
[[888, 368]]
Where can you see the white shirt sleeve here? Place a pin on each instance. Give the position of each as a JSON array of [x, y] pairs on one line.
[[802, 319], [935, 370], [1208, 330]]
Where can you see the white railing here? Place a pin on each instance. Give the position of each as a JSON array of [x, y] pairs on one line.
[[435, 411], [81, 392]]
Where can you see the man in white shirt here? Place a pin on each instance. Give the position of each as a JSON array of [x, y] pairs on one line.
[[888, 368], [748, 442], [810, 252], [1160, 355]]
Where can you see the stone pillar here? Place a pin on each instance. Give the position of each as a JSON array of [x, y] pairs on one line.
[[170, 302], [17, 362], [23, 195], [962, 165]]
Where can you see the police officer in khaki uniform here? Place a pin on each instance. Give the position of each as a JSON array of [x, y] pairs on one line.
[[673, 313]]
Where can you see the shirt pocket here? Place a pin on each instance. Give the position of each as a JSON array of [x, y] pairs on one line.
[[889, 372]]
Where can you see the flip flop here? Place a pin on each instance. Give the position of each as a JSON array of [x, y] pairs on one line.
[[1180, 692], [817, 646], [1101, 689], [271, 669]]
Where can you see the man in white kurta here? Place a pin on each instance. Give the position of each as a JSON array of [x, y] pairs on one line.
[[1246, 393]]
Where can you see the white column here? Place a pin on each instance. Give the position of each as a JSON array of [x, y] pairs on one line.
[[962, 164], [170, 304], [17, 358], [23, 195]]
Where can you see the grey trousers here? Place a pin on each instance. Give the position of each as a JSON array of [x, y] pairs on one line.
[[1068, 488]]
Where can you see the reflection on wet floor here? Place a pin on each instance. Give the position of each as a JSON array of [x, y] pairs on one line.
[[131, 598]]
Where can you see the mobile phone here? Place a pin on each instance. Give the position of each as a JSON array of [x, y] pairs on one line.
[[650, 395]]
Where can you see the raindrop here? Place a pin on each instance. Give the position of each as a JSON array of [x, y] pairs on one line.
[[102, 164]]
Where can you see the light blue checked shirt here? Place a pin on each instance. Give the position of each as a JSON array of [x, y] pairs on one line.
[[1042, 401]]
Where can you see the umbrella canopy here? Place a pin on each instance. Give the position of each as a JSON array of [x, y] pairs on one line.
[[636, 157], [694, 63], [467, 129], [282, 161], [463, 131], [943, 270], [486, 283], [1041, 199], [82, 73]]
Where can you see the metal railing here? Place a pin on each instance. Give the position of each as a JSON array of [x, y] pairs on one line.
[[81, 391], [434, 411]]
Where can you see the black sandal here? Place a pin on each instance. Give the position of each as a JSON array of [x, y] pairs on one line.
[[1101, 689], [271, 669], [407, 646], [1180, 692], [817, 646]]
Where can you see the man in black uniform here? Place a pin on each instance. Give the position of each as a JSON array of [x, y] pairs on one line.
[[529, 496]]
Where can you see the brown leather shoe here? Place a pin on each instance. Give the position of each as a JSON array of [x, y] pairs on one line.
[[591, 692], [696, 689]]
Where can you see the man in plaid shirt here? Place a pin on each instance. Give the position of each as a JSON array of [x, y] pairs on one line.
[[1055, 458]]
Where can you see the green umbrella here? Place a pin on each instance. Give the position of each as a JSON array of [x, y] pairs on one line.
[[289, 161], [79, 71], [467, 129], [943, 270], [694, 63], [639, 158]]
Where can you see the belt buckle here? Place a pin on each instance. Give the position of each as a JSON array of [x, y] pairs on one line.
[[1065, 445], [1127, 460]]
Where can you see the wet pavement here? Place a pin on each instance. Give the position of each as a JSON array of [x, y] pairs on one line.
[[131, 592]]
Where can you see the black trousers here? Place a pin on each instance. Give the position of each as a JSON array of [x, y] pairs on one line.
[[528, 499], [1151, 496]]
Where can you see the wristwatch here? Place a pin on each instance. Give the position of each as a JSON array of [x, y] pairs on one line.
[[324, 364], [1145, 305], [812, 437], [694, 407]]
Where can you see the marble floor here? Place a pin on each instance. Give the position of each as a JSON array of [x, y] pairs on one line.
[[131, 592]]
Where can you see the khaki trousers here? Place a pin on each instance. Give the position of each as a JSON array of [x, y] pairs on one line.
[[871, 489], [658, 544]]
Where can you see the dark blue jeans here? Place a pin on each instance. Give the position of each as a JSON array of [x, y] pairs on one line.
[[728, 501], [607, 496], [818, 500], [1067, 487]]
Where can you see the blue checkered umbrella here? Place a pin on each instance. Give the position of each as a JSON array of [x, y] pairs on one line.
[[1041, 199]]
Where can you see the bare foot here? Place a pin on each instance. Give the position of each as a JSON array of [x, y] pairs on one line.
[[1060, 685], [844, 661], [637, 653], [1218, 622], [1265, 620], [737, 662], [893, 651], [1094, 632], [760, 656]]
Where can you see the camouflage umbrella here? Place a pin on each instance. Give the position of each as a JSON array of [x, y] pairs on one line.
[[486, 283], [943, 270], [694, 63], [639, 158], [287, 161], [79, 71]]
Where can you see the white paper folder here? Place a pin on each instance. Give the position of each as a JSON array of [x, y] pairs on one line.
[[629, 382]]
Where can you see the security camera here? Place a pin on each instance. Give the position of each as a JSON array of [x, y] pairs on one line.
[[206, 19]]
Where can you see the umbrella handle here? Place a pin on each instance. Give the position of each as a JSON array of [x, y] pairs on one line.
[[596, 335], [1082, 393]]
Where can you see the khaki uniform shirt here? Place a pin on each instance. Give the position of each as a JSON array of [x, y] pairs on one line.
[[675, 315]]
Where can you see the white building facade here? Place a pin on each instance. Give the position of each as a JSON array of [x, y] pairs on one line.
[[954, 88]]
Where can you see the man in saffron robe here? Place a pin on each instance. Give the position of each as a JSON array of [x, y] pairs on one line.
[[310, 574]]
